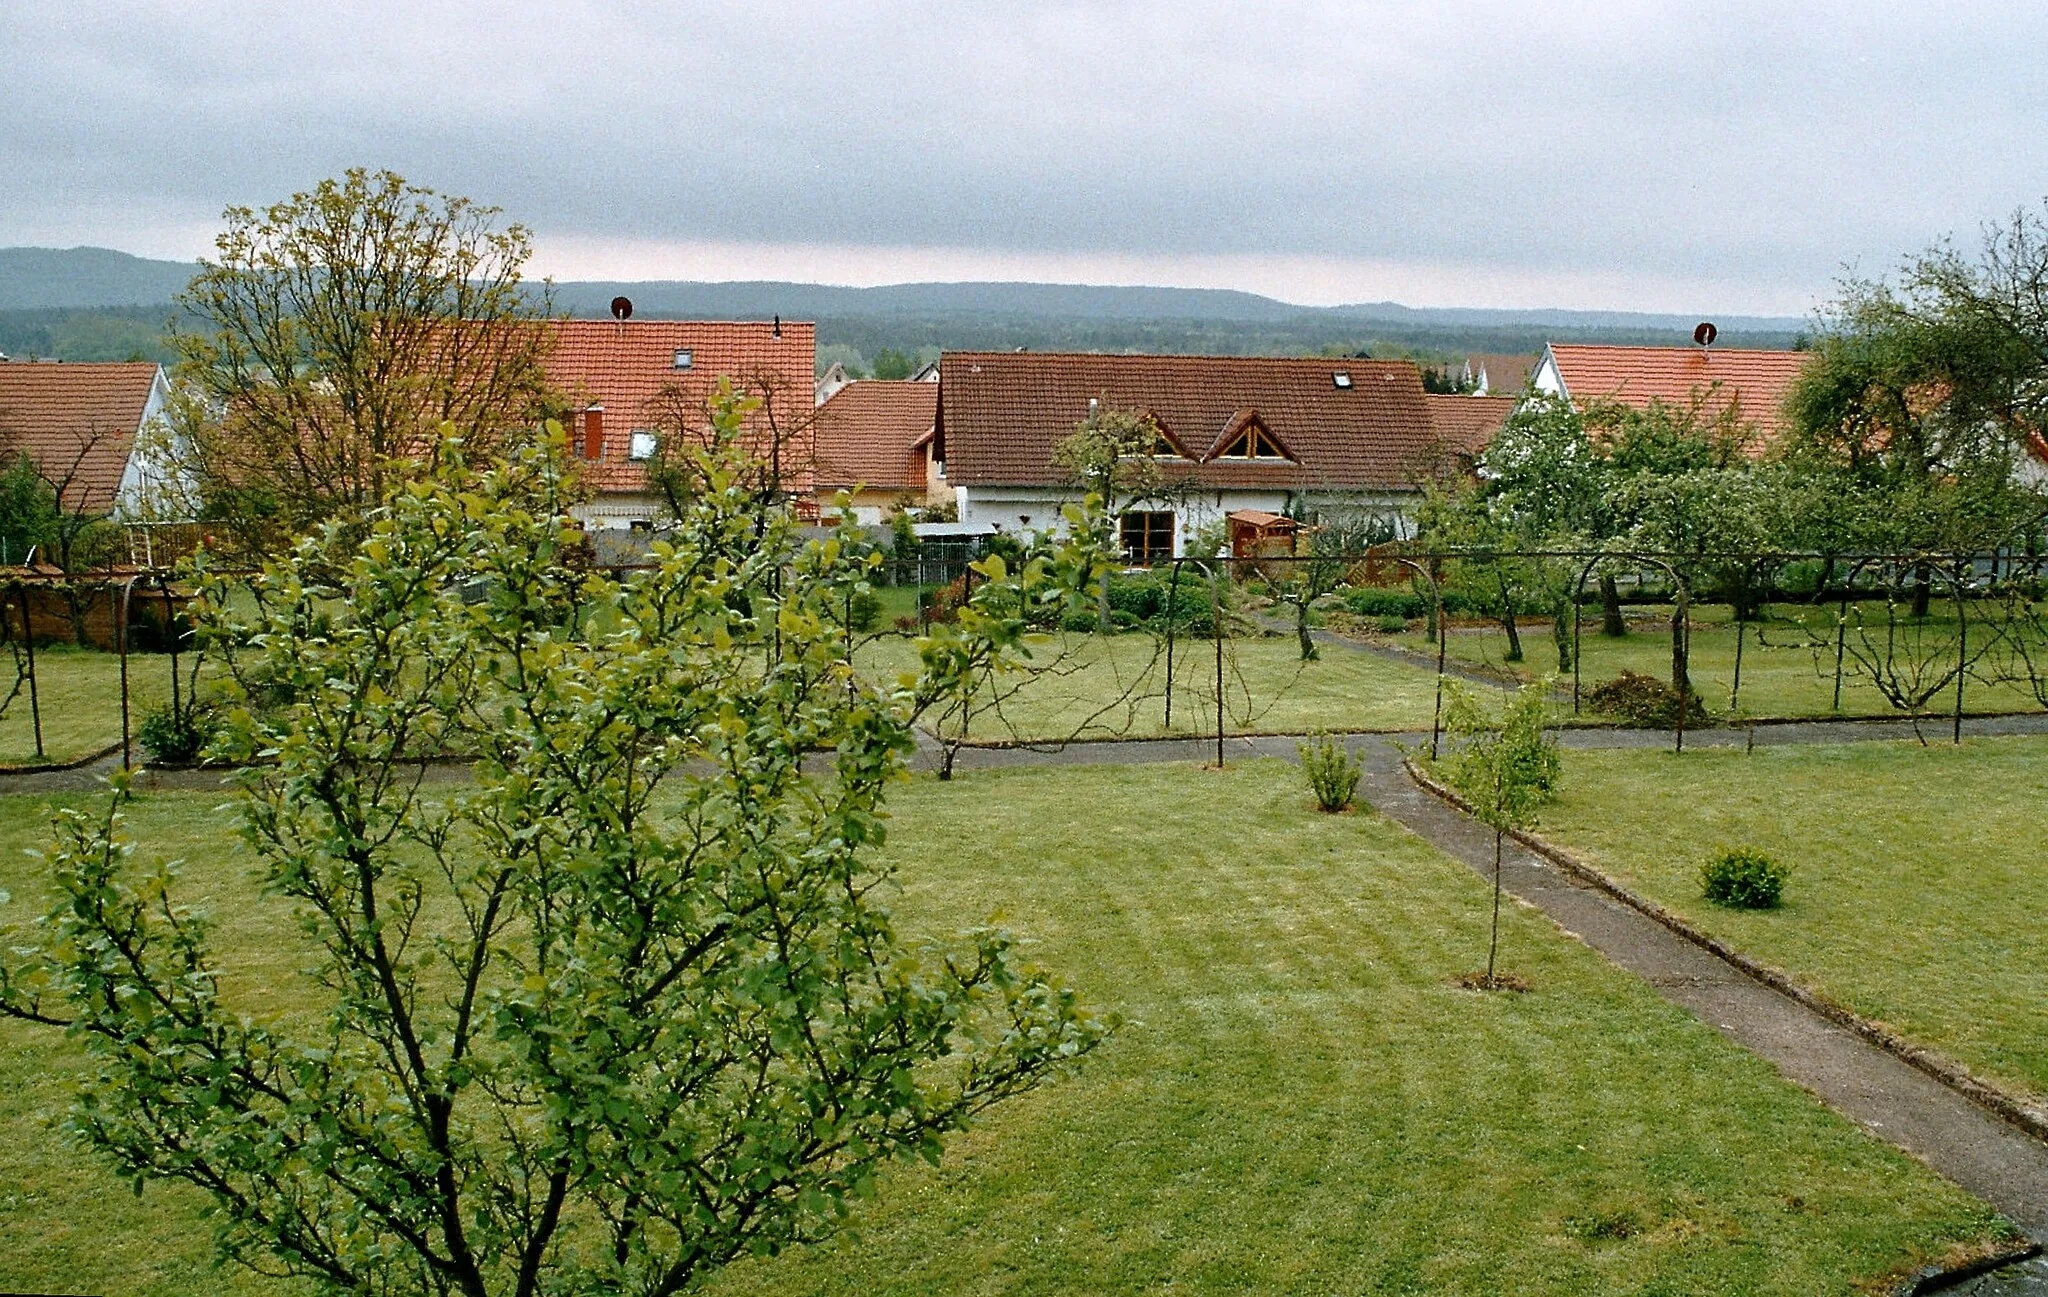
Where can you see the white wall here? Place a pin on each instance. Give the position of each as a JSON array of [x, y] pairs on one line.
[[1020, 508]]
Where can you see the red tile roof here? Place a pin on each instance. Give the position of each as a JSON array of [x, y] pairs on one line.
[[1756, 383], [873, 432], [629, 369], [1506, 375], [1468, 423], [76, 421], [1001, 414]]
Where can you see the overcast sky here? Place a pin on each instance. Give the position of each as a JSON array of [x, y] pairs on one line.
[[1709, 157]]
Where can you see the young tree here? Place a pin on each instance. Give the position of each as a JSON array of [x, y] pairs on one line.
[[1332, 542], [336, 332], [1505, 770], [49, 505], [626, 1009], [1113, 455]]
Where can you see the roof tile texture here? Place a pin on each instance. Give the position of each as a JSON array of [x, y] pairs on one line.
[[628, 367], [76, 421], [1001, 414], [1756, 383], [1468, 423], [870, 432]]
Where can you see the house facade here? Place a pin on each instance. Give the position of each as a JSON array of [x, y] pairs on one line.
[[1238, 435], [627, 384], [95, 433]]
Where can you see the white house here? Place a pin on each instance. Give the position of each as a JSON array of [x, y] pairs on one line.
[[95, 433], [1238, 434]]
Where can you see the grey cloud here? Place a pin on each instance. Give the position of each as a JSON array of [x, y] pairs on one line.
[[1749, 142]]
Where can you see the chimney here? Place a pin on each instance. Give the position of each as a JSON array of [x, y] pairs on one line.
[[593, 432]]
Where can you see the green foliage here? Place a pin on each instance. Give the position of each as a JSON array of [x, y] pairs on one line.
[[893, 364], [1376, 601], [1333, 773], [177, 734], [628, 1007], [1644, 701], [29, 516], [1505, 767], [1743, 878], [1392, 623]]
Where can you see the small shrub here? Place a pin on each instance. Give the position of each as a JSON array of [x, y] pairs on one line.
[[176, 736], [1333, 773], [1371, 601], [1079, 620], [863, 610], [1636, 699], [907, 624], [1744, 878], [1392, 623]]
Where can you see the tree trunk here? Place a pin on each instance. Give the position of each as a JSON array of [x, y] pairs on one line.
[[1493, 941], [1561, 632], [1507, 623], [1308, 645], [1102, 622], [1611, 624], [1681, 680], [1923, 592]]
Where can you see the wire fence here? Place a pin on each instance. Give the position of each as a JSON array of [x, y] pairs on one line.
[[1215, 648]]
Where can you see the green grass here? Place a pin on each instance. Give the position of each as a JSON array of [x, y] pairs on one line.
[[80, 693], [1115, 686], [1300, 1100], [1917, 883], [1782, 674]]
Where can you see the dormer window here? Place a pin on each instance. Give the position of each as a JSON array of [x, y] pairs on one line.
[[1253, 442], [683, 358]]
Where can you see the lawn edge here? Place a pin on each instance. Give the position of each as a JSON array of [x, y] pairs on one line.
[[1936, 1278], [2016, 1109], [54, 767]]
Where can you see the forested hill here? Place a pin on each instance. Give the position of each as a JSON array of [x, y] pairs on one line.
[[96, 304]]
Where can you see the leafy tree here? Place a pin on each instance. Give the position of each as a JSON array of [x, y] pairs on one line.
[[1113, 456], [893, 364], [626, 1009], [333, 333], [1505, 770], [1330, 543], [29, 516]]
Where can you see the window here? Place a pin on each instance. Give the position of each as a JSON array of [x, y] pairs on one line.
[[641, 445], [1147, 535], [1342, 378], [683, 358], [1253, 443]]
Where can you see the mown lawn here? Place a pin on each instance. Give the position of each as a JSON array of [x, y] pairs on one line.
[[1918, 879], [80, 693], [1095, 686], [1783, 675], [1300, 1099]]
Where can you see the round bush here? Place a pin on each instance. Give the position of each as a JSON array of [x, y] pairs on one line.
[[176, 737], [1392, 623], [1744, 878]]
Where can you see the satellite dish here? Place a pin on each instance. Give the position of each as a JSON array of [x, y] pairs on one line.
[[1705, 333], [622, 308]]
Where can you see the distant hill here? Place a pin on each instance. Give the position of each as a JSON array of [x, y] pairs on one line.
[[41, 278], [84, 304]]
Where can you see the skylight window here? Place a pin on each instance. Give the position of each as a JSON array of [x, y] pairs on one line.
[[1342, 378], [641, 446], [683, 358]]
